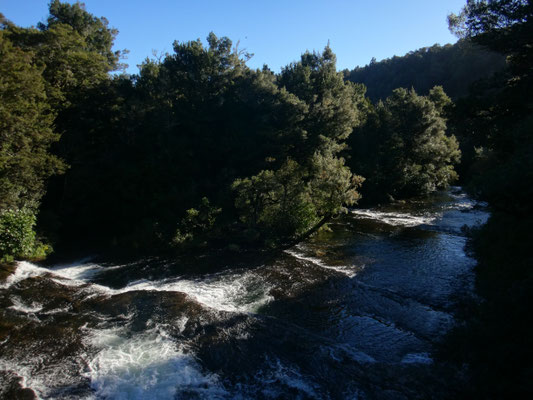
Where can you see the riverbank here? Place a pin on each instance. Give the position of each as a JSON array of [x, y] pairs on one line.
[[492, 341]]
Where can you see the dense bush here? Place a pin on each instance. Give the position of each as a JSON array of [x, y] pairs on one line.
[[403, 149], [17, 237]]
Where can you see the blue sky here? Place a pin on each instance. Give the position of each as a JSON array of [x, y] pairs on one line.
[[275, 31]]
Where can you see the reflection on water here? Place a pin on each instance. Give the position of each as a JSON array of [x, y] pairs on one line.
[[351, 313]]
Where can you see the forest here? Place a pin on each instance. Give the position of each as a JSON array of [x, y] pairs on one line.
[[199, 151], [455, 67]]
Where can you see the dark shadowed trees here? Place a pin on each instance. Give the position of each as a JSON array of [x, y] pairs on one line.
[[497, 121], [454, 67], [26, 134], [403, 149]]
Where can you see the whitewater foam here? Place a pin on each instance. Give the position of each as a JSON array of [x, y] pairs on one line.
[[148, 365], [24, 270], [79, 272], [346, 270], [234, 292], [20, 306], [72, 275], [27, 378], [241, 292], [394, 219], [48, 383]]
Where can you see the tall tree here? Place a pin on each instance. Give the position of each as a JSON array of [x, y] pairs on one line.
[[403, 149], [312, 183], [454, 67], [26, 133], [500, 117], [495, 341], [75, 49], [333, 105], [94, 31]]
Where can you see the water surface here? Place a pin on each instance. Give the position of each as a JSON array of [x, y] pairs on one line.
[[350, 314]]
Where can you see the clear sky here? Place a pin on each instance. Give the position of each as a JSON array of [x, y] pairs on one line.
[[277, 32]]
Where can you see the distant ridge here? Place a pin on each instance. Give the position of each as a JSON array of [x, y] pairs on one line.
[[454, 67]]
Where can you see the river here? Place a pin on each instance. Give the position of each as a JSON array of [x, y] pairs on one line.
[[353, 313]]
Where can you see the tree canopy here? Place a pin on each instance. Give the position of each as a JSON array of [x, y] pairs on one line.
[[198, 147], [454, 67], [403, 149], [496, 123]]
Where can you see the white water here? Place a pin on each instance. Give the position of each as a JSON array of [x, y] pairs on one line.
[[394, 219], [45, 383], [234, 292], [27, 379], [147, 365], [123, 363], [82, 272], [20, 306], [24, 271], [241, 292], [345, 270]]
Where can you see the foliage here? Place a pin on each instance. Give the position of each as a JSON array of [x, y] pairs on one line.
[[44, 73], [187, 127], [288, 202], [17, 237], [143, 149], [333, 185], [312, 184], [454, 67], [276, 202], [16, 233], [197, 223], [26, 133], [94, 31], [403, 149], [496, 123], [74, 47], [333, 106], [181, 130]]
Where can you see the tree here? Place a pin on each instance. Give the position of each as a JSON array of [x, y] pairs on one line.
[[454, 67], [26, 134], [334, 106], [185, 128], [94, 31], [499, 122], [75, 49], [312, 184], [501, 115], [403, 149], [493, 21], [276, 203]]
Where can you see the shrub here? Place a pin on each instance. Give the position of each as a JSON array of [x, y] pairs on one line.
[[17, 237]]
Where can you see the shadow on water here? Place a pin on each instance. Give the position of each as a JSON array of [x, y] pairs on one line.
[[351, 313], [294, 349]]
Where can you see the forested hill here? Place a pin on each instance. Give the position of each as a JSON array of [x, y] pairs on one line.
[[454, 67]]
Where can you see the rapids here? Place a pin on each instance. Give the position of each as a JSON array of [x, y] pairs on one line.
[[349, 314]]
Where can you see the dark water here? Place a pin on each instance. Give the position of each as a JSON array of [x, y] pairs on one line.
[[351, 314]]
